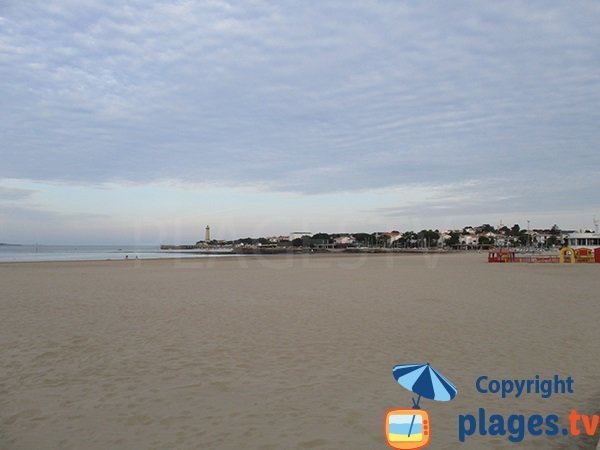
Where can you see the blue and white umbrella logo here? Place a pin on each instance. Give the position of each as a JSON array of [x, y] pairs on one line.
[[425, 381]]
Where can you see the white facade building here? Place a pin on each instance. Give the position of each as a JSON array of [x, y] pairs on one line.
[[583, 240], [345, 240]]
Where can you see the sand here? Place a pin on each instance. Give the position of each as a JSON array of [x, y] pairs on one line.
[[283, 352]]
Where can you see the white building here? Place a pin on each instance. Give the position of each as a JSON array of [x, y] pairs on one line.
[[586, 240], [345, 240], [469, 240]]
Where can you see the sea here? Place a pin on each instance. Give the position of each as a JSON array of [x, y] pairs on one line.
[[35, 252]]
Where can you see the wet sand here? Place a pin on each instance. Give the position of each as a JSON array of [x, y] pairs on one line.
[[284, 351]]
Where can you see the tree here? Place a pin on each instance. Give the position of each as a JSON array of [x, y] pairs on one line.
[[297, 242], [429, 238], [487, 228], [362, 238], [555, 231], [406, 239], [515, 230], [453, 239], [484, 240], [377, 239]]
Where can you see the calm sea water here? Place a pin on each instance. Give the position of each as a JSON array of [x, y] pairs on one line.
[[10, 253]]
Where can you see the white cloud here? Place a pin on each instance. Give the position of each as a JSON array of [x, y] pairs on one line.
[[304, 97]]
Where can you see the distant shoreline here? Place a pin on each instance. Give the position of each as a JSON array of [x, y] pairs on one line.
[[233, 256]]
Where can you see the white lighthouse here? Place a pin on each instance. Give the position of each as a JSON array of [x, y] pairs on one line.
[[207, 234]]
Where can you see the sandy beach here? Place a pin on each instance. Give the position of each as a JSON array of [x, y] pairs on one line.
[[284, 351]]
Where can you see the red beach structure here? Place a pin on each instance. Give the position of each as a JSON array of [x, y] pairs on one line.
[[501, 255]]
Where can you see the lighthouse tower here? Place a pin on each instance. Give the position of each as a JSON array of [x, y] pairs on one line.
[[207, 235]]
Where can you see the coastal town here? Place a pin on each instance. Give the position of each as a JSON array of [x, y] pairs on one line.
[[480, 237]]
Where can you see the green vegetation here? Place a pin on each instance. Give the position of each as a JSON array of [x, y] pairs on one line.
[[469, 237]]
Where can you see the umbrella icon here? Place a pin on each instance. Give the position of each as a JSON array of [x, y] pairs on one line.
[[425, 381]]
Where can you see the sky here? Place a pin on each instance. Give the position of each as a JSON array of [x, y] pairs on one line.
[[144, 121]]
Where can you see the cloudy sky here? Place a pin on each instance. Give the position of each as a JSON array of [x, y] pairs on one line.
[[143, 121]]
